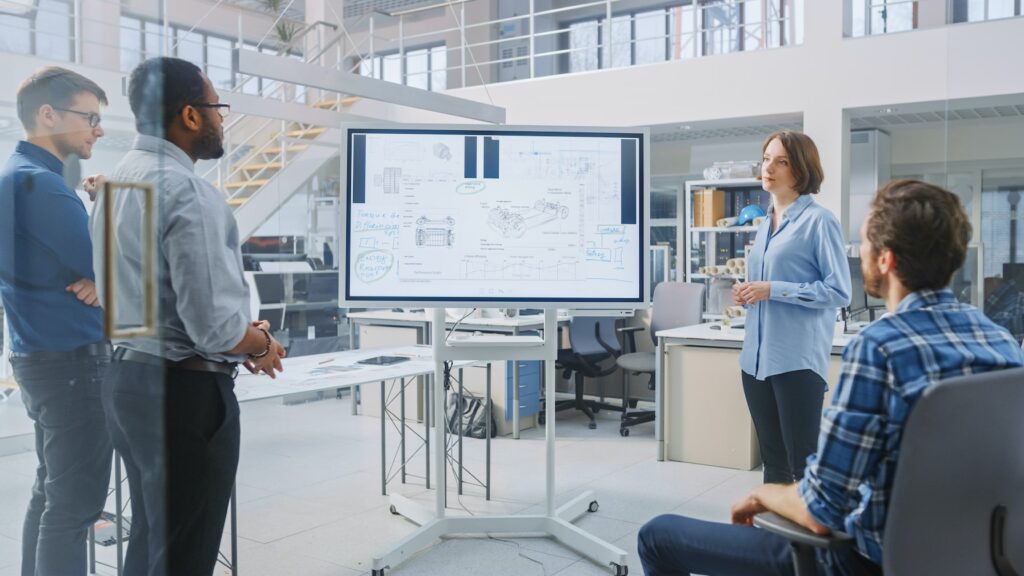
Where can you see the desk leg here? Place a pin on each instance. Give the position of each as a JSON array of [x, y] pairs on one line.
[[490, 423], [462, 402], [515, 394], [659, 397], [234, 529], [426, 427], [401, 410], [354, 390], [118, 515], [383, 442]]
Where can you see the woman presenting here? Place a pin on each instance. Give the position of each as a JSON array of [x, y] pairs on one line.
[[797, 275]]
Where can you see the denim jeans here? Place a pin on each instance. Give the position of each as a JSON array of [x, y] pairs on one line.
[[671, 545], [74, 452]]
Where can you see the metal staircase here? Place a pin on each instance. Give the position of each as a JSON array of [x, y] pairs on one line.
[[268, 158]]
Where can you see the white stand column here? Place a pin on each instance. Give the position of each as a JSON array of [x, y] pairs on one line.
[[555, 523]]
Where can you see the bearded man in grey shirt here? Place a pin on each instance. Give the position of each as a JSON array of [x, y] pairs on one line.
[[169, 399]]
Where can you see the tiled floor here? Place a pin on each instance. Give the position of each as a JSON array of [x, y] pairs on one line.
[[310, 503]]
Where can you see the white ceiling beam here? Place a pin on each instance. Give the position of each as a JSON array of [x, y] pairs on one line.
[[314, 76]]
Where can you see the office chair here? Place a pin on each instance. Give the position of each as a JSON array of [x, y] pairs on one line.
[[592, 340], [957, 505], [676, 304]]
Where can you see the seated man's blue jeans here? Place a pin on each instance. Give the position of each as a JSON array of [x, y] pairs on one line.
[[74, 452], [671, 545]]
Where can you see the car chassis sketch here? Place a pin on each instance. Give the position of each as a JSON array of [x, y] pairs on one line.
[[440, 232], [513, 223]]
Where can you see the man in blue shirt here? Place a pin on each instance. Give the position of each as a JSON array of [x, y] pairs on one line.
[[57, 348], [912, 242]]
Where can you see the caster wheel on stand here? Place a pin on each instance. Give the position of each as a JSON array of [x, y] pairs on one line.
[[593, 506], [620, 570], [393, 509], [377, 572], [592, 425], [623, 432]]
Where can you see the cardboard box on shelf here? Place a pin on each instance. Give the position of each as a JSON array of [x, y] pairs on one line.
[[708, 207]]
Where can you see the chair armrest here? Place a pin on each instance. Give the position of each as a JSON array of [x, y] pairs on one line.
[[630, 332], [796, 533]]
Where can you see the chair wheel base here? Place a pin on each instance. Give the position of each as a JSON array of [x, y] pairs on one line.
[[624, 432], [620, 570]]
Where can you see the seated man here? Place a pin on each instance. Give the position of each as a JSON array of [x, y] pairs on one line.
[[913, 240]]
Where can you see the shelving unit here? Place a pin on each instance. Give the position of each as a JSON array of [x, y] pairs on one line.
[[712, 246]]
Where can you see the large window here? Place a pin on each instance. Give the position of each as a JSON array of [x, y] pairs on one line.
[[584, 39], [46, 30], [700, 28], [15, 34], [425, 68], [977, 10], [141, 39]]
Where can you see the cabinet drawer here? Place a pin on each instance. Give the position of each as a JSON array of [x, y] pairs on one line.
[[529, 405], [526, 368]]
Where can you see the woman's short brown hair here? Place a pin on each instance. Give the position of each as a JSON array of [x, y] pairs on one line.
[[803, 160], [925, 228]]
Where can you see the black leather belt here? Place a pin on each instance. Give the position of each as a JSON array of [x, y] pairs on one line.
[[195, 363], [88, 351]]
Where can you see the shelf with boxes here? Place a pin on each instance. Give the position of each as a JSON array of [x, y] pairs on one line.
[[717, 237]]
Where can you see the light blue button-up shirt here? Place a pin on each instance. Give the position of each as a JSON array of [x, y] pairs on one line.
[[203, 299], [805, 261]]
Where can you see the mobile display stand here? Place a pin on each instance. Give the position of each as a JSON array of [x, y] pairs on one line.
[[452, 215], [555, 522]]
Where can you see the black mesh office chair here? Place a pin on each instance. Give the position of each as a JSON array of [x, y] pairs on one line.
[[676, 304], [592, 341], [957, 504]]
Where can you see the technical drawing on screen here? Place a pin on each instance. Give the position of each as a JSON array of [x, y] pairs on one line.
[[467, 214]]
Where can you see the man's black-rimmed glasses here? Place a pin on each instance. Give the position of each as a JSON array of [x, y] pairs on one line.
[[222, 108], [94, 118]]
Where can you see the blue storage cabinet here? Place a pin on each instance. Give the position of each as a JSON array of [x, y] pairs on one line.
[[529, 387]]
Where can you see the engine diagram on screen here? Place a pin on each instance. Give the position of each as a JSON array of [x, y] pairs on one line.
[[513, 223], [436, 233]]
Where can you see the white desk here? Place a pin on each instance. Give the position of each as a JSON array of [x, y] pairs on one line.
[[421, 322], [708, 377], [329, 372]]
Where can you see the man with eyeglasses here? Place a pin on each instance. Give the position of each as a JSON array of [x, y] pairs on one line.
[[58, 351], [170, 400]]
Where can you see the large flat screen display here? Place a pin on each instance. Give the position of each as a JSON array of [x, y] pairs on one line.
[[495, 216]]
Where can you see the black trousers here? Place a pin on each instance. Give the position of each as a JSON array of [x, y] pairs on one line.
[[786, 410], [73, 449], [178, 434]]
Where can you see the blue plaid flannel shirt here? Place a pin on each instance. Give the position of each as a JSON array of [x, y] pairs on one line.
[[930, 337]]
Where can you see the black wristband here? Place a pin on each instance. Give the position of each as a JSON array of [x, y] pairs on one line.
[[265, 352]]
